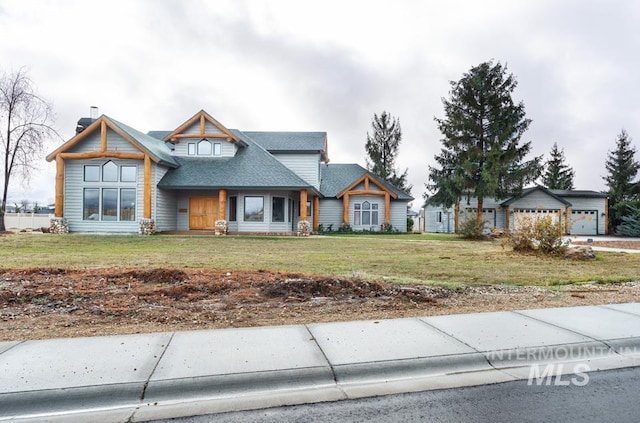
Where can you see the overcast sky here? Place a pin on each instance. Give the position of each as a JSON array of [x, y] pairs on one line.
[[329, 66]]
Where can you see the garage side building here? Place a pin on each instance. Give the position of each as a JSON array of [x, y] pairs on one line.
[[581, 212]]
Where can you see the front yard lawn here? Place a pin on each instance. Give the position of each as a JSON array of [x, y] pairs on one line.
[[437, 259]]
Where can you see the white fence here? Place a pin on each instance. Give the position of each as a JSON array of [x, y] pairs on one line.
[[27, 220]]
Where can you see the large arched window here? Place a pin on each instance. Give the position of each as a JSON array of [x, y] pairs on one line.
[[110, 172], [204, 148]]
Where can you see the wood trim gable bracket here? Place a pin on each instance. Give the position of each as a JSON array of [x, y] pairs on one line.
[[147, 187], [370, 192], [201, 135], [104, 124], [75, 140], [202, 117], [103, 136], [103, 155], [367, 180], [130, 140]]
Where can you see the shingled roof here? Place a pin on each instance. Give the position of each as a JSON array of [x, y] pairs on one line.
[[251, 167], [154, 146], [335, 178], [291, 142]]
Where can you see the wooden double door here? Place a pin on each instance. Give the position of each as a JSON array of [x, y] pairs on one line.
[[203, 212]]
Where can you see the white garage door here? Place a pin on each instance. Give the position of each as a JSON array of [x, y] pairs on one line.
[[488, 215], [584, 222], [521, 215]]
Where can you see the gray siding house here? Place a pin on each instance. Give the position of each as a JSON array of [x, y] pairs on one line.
[[203, 176], [580, 212]]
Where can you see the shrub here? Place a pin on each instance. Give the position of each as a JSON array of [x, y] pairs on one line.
[[472, 228], [386, 228], [541, 235], [345, 228], [409, 224]]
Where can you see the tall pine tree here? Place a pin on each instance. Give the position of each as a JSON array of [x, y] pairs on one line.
[[622, 168], [481, 153], [382, 150], [557, 174]]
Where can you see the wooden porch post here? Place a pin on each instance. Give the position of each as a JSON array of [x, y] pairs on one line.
[[387, 208], [147, 187], [222, 204], [345, 208], [316, 212], [59, 208], [303, 204], [567, 220]]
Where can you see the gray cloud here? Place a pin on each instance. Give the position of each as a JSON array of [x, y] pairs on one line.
[[153, 64]]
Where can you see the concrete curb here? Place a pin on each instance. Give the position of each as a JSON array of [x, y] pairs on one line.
[[265, 367]]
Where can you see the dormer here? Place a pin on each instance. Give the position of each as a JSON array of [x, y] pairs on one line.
[[203, 136]]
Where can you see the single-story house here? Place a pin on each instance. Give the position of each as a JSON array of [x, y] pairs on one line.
[[580, 212], [203, 176]]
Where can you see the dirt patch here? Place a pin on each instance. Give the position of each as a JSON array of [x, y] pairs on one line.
[[46, 303]]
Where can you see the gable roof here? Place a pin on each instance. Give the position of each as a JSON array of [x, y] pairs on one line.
[[336, 178], [292, 142], [154, 147], [202, 117], [527, 191], [251, 167]]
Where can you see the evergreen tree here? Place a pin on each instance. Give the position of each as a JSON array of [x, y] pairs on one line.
[[630, 222], [382, 150], [481, 153], [622, 168], [557, 174]]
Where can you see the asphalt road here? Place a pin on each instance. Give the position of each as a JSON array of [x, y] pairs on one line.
[[612, 396]]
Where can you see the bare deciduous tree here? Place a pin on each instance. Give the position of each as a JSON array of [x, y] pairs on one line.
[[26, 121]]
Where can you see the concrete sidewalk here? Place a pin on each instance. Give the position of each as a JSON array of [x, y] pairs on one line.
[[153, 376]]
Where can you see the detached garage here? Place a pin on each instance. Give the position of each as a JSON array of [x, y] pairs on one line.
[[522, 215], [579, 212]]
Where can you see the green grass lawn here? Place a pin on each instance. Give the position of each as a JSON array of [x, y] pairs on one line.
[[440, 259]]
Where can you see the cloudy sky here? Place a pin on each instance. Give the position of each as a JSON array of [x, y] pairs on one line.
[[329, 66]]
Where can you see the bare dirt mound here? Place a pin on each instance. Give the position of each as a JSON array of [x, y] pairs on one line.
[[54, 302]]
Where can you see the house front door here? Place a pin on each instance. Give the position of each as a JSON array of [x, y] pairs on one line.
[[203, 212]]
